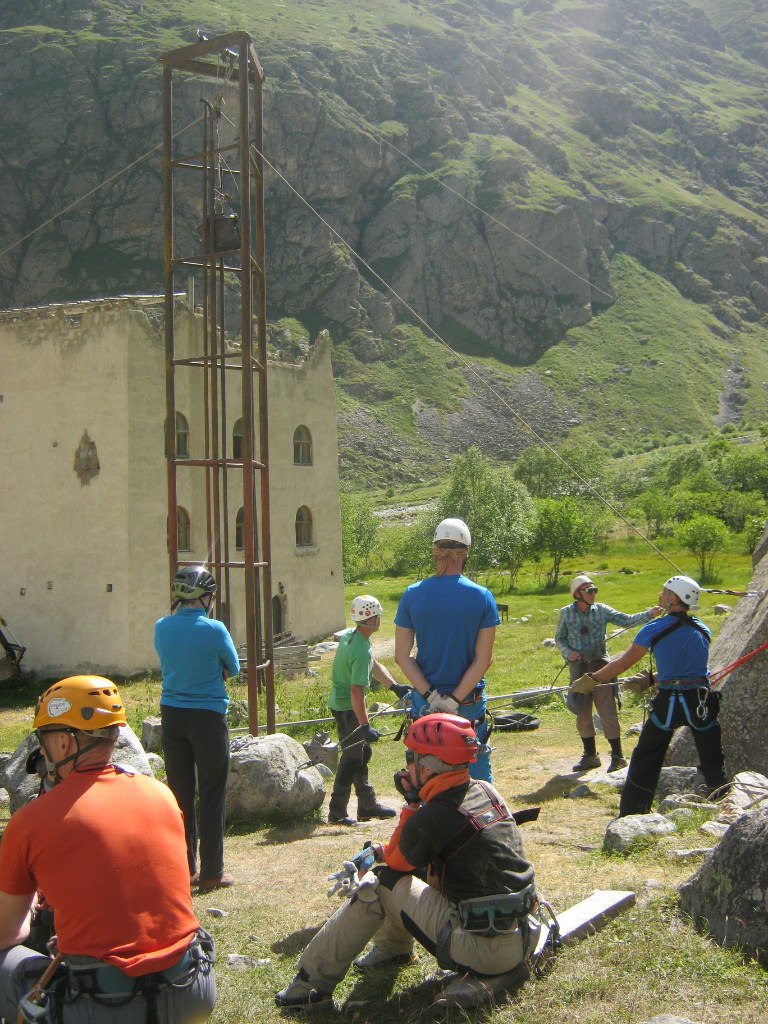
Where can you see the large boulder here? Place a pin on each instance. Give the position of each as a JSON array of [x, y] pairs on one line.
[[267, 779], [23, 787], [744, 709], [729, 892]]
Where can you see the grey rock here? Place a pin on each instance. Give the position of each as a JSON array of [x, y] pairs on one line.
[[614, 779], [680, 780], [23, 787], [634, 730], [240, 962], [580, 791], [729, 892], [157, 764], [5, 797], [685, 800], [215, 912], [548, 642], [151, 738], [688, 854], [748, 790], [714, 828], [722, 609], [266, 779], [622, 833], [324, 750], [678, 813], [667, 1018], [744, 709]]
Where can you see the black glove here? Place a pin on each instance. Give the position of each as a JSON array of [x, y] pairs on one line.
[[399, 690], [368, 733], [403, 787]]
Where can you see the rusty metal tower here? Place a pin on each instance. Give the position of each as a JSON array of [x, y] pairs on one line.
[[204, 145]]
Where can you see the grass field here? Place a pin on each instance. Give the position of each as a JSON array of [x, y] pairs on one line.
[[649, 961]]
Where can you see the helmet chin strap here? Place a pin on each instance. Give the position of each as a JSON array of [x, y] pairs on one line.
[[53, 767]]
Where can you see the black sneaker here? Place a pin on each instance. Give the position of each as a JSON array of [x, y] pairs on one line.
[[346, 820], [377, 811], [301, 992]]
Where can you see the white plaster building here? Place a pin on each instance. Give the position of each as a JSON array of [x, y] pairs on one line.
[[83, 497]]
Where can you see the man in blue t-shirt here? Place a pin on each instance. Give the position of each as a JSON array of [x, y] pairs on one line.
[[196, 656], [680, 644], [453, 623]]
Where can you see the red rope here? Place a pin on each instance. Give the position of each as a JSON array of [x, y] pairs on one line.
[[729, 668]]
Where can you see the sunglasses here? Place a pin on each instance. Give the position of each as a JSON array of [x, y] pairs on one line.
[[588, 590], [410, 756], [450, 545]]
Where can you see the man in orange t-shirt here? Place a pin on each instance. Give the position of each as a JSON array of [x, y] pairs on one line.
[[107, 848]]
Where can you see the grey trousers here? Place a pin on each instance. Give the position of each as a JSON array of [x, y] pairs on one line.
[[20, 968], [396, 914], [602, 698]]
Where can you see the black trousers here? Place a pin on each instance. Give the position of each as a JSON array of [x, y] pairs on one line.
[[353, 767], [196, 744], [648, 756]]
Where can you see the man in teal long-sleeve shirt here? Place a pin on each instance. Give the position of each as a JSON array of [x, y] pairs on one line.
[[196, 656]]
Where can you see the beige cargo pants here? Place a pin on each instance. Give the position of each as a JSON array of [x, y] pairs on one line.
[[394, 917]]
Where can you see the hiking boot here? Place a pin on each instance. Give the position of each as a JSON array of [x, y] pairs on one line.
[[377, 811], [209, 884], [376, 958], [301, 992], [468, 991], [617, 762], [345, 820], [587, 761]]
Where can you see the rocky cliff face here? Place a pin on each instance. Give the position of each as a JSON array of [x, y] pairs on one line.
[[562, 132]]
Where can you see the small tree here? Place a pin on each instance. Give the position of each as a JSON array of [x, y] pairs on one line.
[[498, 510], [653, 507], [703, 536], [563, 529], [359, 533]]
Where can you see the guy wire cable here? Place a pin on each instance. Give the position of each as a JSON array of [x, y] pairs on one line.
[[469, 367], [87, 195], [371, 133]]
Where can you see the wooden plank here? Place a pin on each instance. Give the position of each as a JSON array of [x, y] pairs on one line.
[[590, 915]]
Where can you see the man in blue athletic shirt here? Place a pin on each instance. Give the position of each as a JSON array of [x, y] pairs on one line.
[[196, 656], [453, 623], [680, 644]]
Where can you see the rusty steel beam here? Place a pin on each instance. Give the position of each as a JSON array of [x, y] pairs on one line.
[[232, 61]]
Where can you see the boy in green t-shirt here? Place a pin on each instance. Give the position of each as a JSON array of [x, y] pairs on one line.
[[353, 667]]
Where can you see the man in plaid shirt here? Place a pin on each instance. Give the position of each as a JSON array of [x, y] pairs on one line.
[[580, 638]]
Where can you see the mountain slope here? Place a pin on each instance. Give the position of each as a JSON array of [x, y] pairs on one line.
[[576, 138]]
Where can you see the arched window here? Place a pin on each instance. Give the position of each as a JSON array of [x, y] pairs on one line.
[[239, 524], [302, 447], [237, 440], [303, 528], [183, 533], [182, 437]]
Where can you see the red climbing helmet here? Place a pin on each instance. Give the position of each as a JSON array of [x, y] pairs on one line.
[[448, 737]]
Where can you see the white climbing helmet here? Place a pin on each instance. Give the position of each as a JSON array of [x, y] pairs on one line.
[[687, 590], [578, 582], [364, 607], [455, 530]]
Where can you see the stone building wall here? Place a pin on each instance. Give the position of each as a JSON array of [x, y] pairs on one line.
[[83, 504]]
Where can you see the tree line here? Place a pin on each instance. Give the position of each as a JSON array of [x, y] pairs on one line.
[[555, 504]]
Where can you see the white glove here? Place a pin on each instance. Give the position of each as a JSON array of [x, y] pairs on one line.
[[442, 702], [345, 881]]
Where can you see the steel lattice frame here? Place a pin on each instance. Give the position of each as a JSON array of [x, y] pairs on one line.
[[217, 362]]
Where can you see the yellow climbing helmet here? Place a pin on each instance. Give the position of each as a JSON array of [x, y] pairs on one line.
[[88, 703]]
